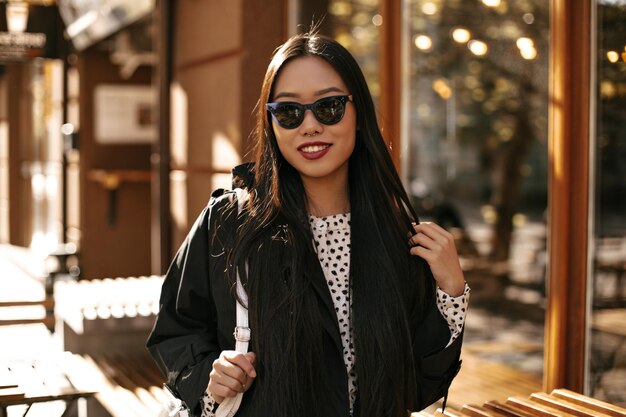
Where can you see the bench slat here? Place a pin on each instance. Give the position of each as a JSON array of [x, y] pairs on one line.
[[535, 408], [448, 412], [564, 405], [47, 320], [113, 398], [47, 302], [11, 394], [506, 409], [121, 375], [478, 411], [7, 378], [592, 403]]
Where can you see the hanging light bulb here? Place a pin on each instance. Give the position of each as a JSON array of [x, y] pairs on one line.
[[17, 16]]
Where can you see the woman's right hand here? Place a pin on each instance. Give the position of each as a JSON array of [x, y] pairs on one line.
[[233, 372]]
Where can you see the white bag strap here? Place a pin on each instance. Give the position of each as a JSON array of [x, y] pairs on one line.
[[242, 331], [230, 405]]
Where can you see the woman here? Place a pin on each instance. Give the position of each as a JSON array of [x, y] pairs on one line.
[[356, 308]]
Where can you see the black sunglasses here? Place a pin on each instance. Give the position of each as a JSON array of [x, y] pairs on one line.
[[327, 110]]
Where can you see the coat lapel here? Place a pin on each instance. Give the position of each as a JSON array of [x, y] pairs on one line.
[[315, 275]]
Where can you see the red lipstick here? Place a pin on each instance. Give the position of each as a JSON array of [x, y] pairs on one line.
[[314, 150]]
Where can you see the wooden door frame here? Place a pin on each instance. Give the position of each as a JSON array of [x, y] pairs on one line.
[[390, 79], [568, 196], [161, 222]]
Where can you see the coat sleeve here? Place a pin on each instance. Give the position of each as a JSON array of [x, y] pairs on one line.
[[183, 340], [436, 364]]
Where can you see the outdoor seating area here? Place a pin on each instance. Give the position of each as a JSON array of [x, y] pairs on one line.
[[111, 386]]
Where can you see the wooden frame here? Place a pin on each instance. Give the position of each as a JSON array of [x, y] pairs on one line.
[[20, 221], [161, 250], [390, 80], [568, 197]]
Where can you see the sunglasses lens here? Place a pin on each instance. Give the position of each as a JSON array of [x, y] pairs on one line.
[[288, 115], [330, 111]]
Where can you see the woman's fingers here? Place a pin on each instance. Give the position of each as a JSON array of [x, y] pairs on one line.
[[433, 231], [241, 361], [221, 385], [436, 246], [233, 372]]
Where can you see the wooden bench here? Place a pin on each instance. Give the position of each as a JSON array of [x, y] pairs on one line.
[[481, 380], [51, 378], [23, 297], [128, 386], [559, 403], [26, 316], [113, 386]]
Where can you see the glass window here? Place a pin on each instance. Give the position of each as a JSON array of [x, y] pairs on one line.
[[606, 376], [474, 158], [353, 23]]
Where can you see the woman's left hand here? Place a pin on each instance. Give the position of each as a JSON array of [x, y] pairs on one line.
[[436, 246]]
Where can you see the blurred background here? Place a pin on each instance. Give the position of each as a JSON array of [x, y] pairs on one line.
[[118, 118]]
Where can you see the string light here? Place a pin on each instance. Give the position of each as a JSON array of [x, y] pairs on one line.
[[524, 43], [478, 48], [442, 88], [612, 56], [526, 48], [461, 35], [423, 42], [429, 8], [491, 3]]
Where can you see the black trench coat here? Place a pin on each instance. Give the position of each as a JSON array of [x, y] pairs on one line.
[[197, 319]]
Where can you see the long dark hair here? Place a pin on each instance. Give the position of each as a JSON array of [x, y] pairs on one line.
[[390, 288]]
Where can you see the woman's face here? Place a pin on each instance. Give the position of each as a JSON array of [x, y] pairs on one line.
[[314, 149]]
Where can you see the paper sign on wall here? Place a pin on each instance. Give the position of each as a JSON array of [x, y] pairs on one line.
[[124, 114]]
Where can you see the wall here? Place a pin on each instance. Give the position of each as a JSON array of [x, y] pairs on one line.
[[120, 248], [221, 51]]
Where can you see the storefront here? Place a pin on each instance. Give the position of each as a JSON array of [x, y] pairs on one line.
[[503, 118]]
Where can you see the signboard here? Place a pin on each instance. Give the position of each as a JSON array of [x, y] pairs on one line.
[[42, 37], [123, 114]]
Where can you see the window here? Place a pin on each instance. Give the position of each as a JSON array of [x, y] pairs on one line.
[[353, 23], [474, 158], [606, 373]]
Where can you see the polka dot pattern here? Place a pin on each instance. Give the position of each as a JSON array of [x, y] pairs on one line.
[[453, 309], [209, 406]]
